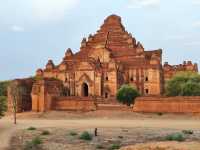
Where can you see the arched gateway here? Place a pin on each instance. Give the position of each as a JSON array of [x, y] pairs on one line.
[[85, 89]]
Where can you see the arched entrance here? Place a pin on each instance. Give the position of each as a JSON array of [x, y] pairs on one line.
[[85, 89]]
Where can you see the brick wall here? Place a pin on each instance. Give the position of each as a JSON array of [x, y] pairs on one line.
[[23, 103], [73, 103], [179, 104], [42, 93]]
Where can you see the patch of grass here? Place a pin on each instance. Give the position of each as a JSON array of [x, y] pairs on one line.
[[45, 132], [34, 144], [175, 137], [86, 136], [187, 132], [31, 128], [114, 147], [99, 147], [73, 133]]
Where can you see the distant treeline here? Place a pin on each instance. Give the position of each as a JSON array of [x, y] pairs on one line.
[[3, 87], [3, 97]]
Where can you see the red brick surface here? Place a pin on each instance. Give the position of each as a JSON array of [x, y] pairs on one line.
[[177, 104], [73, 103]]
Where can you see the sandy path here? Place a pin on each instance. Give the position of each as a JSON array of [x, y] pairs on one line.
[[7, 128]]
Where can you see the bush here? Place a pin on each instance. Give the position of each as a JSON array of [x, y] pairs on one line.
[[127, 94], [34, 144], [73, 133], [114, 147], [175, 137], [86, 136], [187, 132], [3, 87], [120, 137], [3, 106], [31, 128], [184, 84], [45, 132], [99, 147]]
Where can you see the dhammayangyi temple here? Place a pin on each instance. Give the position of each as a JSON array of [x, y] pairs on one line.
[[106, 60]]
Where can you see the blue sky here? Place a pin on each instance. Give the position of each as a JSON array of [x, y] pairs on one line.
[[33, 31]]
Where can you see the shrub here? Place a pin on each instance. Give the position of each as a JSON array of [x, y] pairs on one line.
[[3, 87], [86, 136], [184, 84], [73, 133], [175, 137], [31, 128], [114, 147], [187, 132], [120, 137], [37, 140], [3, 106], [34, 144], [127, 94], [46, 132], [99, 147]]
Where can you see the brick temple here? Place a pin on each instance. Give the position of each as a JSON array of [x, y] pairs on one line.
[[106, 60]]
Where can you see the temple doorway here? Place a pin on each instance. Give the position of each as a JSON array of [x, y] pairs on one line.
[[85, 90]]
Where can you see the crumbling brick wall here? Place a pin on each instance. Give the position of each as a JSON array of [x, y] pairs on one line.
[[24, 103], [42, 93]]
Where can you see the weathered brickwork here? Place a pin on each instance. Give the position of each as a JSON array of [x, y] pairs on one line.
[[106, 60], [43, 93], [24, 101], [171, 70], [74, 103], [179, 104]]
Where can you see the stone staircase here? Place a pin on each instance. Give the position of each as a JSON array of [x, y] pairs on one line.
[[112, 107], [111, 104]]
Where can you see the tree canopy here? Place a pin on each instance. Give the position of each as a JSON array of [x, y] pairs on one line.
[[3, 98], [127, 94], [184, 84], [2, 105], [3, 87]]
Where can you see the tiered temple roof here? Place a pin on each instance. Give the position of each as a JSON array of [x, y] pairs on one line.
[[113, 37]]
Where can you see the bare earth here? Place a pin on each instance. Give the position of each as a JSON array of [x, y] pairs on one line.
[[113, 121]]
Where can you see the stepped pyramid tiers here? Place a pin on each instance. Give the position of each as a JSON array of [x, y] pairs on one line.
[[106, 60]]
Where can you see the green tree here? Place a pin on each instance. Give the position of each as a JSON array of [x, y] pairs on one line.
[[2, 105], [184, 84], [3, 87], [127, 94], [3, 98]]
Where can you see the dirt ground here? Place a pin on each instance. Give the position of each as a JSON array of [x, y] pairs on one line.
[[142, 128], [61, 139]]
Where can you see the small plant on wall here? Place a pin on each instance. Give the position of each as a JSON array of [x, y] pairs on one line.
[[127, 94]]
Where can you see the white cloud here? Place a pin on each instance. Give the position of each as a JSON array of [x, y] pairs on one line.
[[193, 43], [16, 28], [196, 24], [196, 2], [35, 11], [51, 9], [175, 37], [144, 3]]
